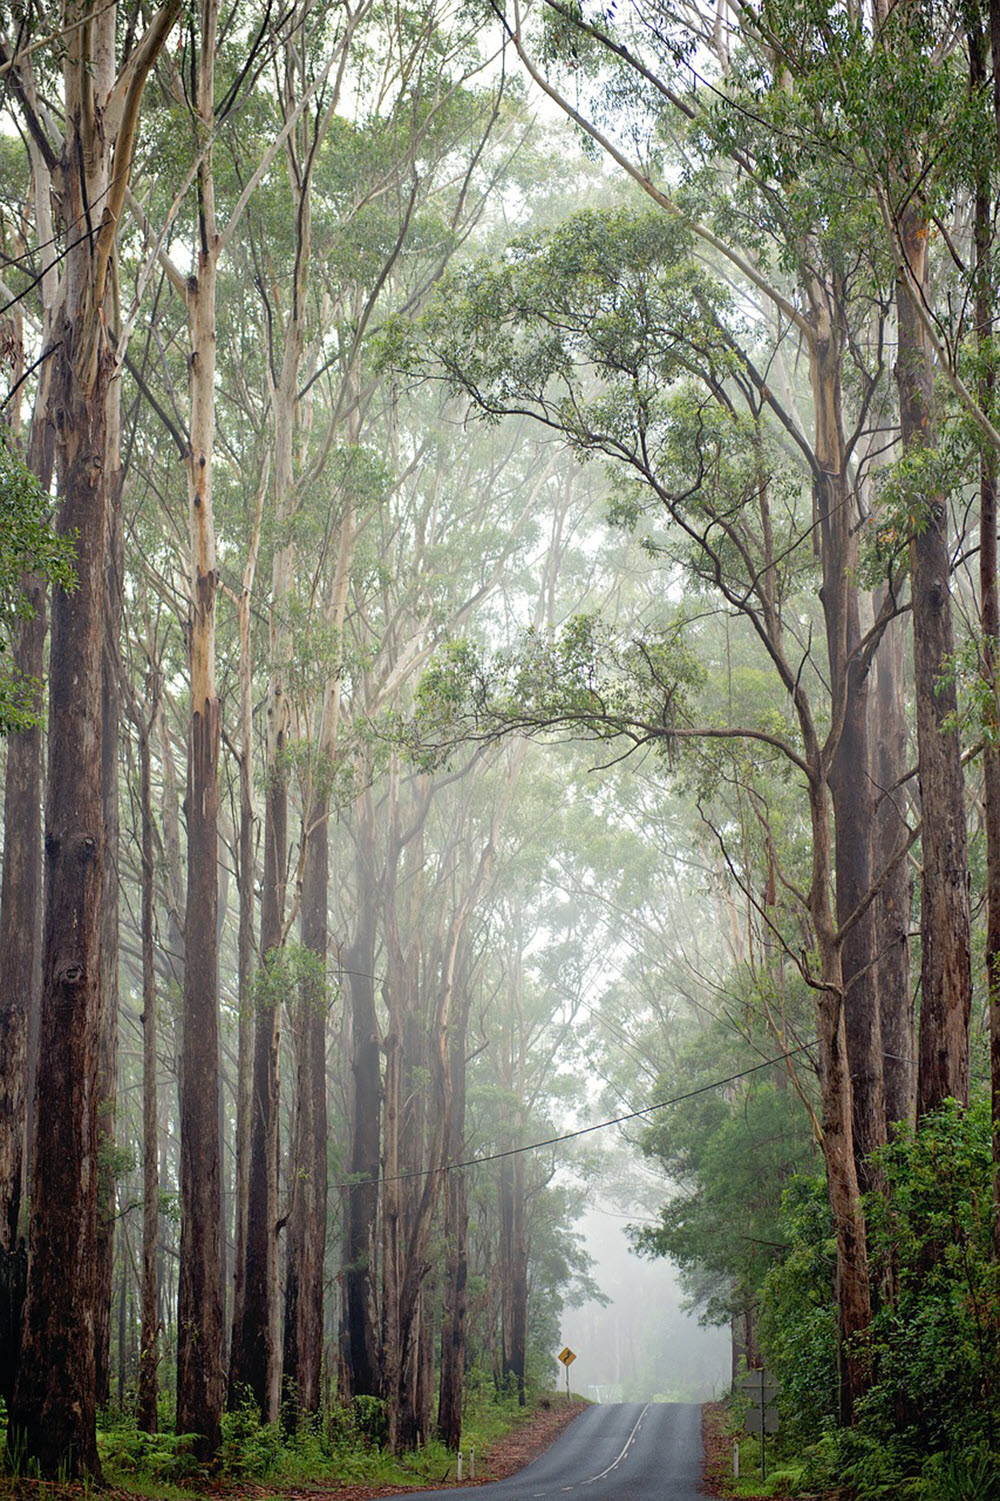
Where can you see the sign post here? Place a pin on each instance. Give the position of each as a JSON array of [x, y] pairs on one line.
[[567, 1357], [761, 1388]]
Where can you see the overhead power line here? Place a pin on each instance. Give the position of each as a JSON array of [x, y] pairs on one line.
[[552, 1141]]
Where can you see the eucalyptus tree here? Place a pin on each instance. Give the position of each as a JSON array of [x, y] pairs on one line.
[[30, 553], [394, 616], [143, 715], [53, 1403], [200, 1315], [893, 103], [610, 333], [429, 115], [22, 697]]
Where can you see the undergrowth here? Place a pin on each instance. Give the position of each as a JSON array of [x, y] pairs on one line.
[[346, 1446]]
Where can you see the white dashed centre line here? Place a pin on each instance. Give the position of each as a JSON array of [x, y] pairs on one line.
[[539, 1495]]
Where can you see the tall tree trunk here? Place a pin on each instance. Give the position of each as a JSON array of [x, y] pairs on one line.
[[854, 1303], [258, 1369], [146, 1408], [514, 1272], [200, 1382], [945, 972], [513, 1252], [108, 1041], [21, 889], [53, 1411], [850, 764], [412, 1162], [981, 45], [359, 1338], [245, 874], [303, 1351], [259, 1348], [392, 1361], [20, 917], [456, 1230], [892, 908]]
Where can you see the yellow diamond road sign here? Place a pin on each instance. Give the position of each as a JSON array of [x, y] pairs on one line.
[[567, 1356]]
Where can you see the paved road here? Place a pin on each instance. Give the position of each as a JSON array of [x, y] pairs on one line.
[[631, 1452]]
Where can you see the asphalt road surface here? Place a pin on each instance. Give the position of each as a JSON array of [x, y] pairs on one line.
[[632, 1452]]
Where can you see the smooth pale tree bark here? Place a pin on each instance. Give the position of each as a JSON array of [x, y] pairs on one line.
[[53, 1412], [200, 1381], [258, 1363], [259, 1366]]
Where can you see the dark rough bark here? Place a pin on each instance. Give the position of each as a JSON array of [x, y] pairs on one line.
[[895, 994], [850, 766], [456, 1229], [514, 1273], [421, 1118], [19, 919], [146, 1407], [200, 1382], [853, 805], [13, 1282], [413, 1128], [108, 1023], [20, 915], [20, 932], [200, 1378], [245, 872], [980, 45], [359, 1336], [306, 1248], [854, 1286], [257, 1373], [53, 1411], [945, 975]]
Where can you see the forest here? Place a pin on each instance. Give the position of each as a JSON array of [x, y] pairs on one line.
[[499, 639]]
